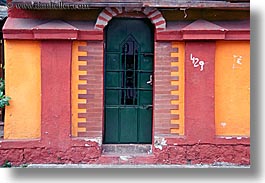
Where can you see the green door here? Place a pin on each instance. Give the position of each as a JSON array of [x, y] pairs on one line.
[[128, 81]]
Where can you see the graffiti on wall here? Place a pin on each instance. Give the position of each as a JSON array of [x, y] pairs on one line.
[[237, 61], [197, 62]]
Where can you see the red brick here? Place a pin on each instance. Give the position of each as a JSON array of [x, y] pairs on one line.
[[164, 106]]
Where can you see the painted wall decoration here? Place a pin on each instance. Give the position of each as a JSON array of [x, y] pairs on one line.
[[178, 84], [87, 89], [169, 88]]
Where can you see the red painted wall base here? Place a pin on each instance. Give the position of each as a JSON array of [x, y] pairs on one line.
[[90, 153]]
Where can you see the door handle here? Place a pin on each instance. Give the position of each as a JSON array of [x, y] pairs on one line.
[[150, 82]]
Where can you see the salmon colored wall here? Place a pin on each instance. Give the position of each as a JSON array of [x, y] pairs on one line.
[[178, 85], [74, 87], [22, 78], [232, 88]]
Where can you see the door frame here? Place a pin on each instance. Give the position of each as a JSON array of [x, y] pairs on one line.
[[151, 26]]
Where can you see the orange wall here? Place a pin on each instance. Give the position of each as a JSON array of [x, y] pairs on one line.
[[23, 85], [75, 82], [232, 88]]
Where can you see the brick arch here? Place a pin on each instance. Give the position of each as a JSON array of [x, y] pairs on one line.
[[153, 14]]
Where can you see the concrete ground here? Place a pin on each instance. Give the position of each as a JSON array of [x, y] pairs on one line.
[[219, 165]]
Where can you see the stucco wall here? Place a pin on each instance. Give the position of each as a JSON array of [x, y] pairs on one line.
[[22, 79], [232, 88]]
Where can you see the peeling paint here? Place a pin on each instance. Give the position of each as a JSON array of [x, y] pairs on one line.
[[223, 124], [97, 140], [160, 142], [150, 151], [125, 158], [223, 30], [234, 137]]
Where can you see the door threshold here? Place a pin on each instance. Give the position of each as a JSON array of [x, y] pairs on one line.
[[126, 149]]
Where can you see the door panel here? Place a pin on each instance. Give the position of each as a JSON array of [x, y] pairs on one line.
[[111, 123], [113, 79], [113, 97], [144, 125], [112, 62], [128, 95], [147, 63], [145, 97], [128, 125]]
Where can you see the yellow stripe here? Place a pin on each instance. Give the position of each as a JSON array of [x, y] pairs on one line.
[[81, 119], [82, 91], [174, 73], [74, 88], [174, 64], [174, 130], [174, 121], [82, 73], [180, 84], [81, 129], [174, 102], [81, 110], [174, 54], [82, 63], [82, 82], [81, 101], [174, 111], [174, 83], [174, 92]]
